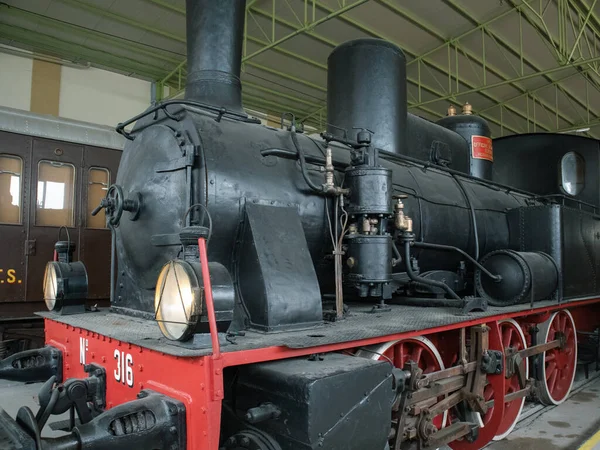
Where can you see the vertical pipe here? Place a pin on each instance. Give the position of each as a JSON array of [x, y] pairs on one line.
[[419, 79], [587, 97], [483, 55], [449, 69], [113, 259], [556, 104], [208, 296], [456, 63], [527, 101], [521, 42], [273, 12], [534, 120]]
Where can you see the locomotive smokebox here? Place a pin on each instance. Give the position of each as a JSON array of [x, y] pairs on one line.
[[366, 88], [214, 50]]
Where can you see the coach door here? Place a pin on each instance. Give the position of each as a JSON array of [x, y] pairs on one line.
[[15, 151], [55, 201], [99, 171]]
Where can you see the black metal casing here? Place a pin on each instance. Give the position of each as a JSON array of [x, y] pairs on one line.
[[427, 141], [355, 101], [340, 402], [467, 126], [270, 228]]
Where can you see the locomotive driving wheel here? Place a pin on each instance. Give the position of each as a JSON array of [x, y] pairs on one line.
[[556, 367], [512, 338], [418, 350]]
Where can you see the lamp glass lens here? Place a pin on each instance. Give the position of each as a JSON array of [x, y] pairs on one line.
[[50, 285], [175, 299]]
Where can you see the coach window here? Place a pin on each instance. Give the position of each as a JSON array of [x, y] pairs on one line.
[[55, 204], [98, 182], [10, 189], [572, 173]]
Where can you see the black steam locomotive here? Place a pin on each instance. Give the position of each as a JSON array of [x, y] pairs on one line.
[[320, 243]]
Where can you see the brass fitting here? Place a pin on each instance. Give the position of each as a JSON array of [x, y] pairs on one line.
[[329, 187], [467, 109], [366, 226], [329, 170], [401, 221], [451, 110]]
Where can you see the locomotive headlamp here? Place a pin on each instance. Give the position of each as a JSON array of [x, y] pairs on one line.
[[65, 282], [178, 299], [65, 287], [50, 285]]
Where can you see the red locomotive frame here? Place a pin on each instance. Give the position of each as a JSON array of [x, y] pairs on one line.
[[198, 381]]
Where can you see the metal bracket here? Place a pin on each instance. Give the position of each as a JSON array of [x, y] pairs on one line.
[[30, 247]]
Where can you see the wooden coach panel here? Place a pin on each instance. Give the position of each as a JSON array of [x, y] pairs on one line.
[[95, 238], [15, 164], [56, 202]]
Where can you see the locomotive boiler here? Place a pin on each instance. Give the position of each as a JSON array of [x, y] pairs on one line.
[[276, 290], [274, 196]]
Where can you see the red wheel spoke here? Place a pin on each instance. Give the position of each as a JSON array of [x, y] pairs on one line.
[[563, 322], [552, 381], [569, 334], [507, 336], [550, 369], [399, 357], [559, 364], [514, 338], [416, 354]]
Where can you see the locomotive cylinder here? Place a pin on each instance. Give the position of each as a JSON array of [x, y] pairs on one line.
[[525, 276], [366, 88], [476, 132], [214, 49], [370, 190]]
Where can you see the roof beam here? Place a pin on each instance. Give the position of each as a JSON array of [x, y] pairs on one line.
[[516, 79], [273, 45], [52, 45], [122, 19], [433, 64], [545, 34], [501, 43], [307, 27], [469, 54], [89, 33]]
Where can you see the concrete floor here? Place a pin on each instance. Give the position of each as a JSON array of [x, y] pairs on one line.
[[13, 395], [573, 425], [567, 426]]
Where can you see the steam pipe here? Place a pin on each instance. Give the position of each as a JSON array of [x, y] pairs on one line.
[[309, 182], [450, 248], [113, 258], [418, 279], [473, 215]]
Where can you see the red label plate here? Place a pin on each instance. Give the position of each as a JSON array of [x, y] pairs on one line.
[[481, 148]]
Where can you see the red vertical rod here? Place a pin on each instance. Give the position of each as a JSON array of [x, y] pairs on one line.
[[208, 294], [55, 257]]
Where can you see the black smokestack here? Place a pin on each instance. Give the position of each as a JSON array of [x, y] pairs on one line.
[[214, 49], [366, 87]]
